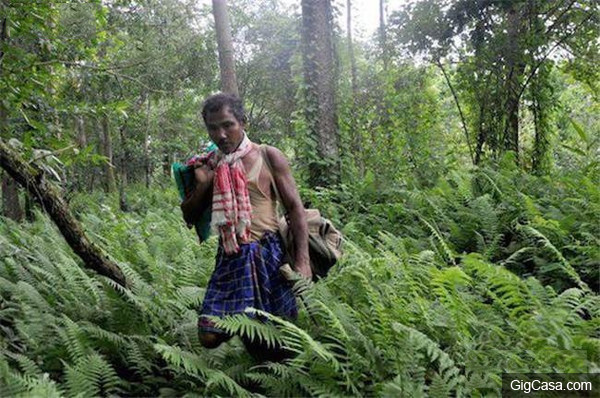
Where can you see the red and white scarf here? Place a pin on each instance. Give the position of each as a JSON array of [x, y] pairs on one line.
[[231, 209]]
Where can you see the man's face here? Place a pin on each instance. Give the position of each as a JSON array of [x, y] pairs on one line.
[[224, 129]]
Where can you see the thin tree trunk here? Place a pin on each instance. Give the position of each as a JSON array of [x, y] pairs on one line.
[[481, 135], [79, 174], [516, 67], [123, 203], [382, 35], [109, 172], [147, 163], [321, 113], [81, 134], [460, 112], [225, 46], [351, 51], [32, 179], [11, 207], [355, 133]]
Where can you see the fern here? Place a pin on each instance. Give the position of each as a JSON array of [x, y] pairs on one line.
[[539, 238], [92, 376], [255, 330]]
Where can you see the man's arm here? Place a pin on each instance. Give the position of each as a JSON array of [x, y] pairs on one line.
[[200, 198], [288, 192]]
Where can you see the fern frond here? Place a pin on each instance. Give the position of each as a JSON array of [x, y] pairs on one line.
[[189, 296], [180, 359], [92, 376], [507, 289], [242, 325], [72, 339], [221, 380], [447, 253], [539, 238], [27, 365], [297, 339], [95, 331], [403, 387], [450, 375]]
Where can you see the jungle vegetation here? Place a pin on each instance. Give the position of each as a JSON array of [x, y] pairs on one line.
[[457, 149]]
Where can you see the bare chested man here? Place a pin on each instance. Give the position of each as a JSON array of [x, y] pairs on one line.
[[237, 182]]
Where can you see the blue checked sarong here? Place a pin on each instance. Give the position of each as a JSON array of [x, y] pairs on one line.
[[250, 278]]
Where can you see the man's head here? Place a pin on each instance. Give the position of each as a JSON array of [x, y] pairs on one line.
[[225, 120]]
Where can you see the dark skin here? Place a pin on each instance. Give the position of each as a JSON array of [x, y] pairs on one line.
[[226, 131]]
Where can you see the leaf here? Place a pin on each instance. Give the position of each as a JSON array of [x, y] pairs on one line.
[[580, 131], [574, 150]]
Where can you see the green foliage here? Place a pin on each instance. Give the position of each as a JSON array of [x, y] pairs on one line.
[[430, 308], [500, 56], [451, 275]]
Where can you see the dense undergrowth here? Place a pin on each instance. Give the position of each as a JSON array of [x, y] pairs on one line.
[[440, 291]]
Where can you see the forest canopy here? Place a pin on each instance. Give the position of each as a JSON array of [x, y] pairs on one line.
[[457, 148]]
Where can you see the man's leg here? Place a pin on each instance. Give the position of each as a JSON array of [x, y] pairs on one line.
[[211, 339], [260, 351]]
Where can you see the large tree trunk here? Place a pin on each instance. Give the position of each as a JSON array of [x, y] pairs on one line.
[[32, 179], [225, 46], [319, 76]]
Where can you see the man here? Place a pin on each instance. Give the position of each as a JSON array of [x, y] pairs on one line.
[[238, 183]]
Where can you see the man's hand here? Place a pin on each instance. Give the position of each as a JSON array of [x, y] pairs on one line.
[[199, 199], [203, 174]]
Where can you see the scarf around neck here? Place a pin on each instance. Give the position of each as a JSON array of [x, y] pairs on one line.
[[231, 209]]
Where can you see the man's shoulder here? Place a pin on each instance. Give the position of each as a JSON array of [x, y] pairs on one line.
[[272, 154]]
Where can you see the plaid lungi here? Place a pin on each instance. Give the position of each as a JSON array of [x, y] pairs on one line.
[[250, 278]]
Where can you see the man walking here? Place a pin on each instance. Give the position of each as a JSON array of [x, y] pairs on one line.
[[239, 181]]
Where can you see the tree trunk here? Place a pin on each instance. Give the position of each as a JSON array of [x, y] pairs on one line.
[[32, 179], [109, 171], [541, 106], [225, 46], [11, 205], [516, 68], [147, 163], [481, 135], [351, 51], [123, 203], [382, 35], [460, 112], [81, 134], [355, 133], [321, 114]]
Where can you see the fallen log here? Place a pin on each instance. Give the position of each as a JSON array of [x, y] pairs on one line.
[[32, 178]]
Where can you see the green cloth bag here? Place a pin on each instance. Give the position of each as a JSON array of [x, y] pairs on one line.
[[184, 179]]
